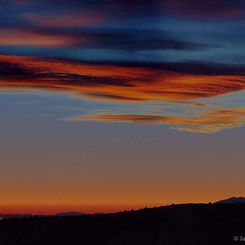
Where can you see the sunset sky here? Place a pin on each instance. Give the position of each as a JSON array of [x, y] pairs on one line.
[[109, 105]]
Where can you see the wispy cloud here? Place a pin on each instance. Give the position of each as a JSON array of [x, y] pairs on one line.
[[135, 84], [108, 81], [211, 121]]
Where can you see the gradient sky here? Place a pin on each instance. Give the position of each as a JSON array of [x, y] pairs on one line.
[[111, 105]]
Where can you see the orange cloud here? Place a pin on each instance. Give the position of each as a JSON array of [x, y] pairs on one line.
[[130, 84], [114, 82], [209, 122]]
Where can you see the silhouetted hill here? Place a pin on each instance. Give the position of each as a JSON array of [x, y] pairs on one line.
[[188, 224]]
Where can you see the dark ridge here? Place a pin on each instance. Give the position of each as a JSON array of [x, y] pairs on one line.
[[188, 224]]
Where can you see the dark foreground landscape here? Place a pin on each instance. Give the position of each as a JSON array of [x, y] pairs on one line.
[[187, 224]]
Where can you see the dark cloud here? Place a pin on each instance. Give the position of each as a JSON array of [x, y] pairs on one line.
[[130, 40], [86, 24], [139, 40], [121, 39], [80, 80], [194, 8], [204, 8], [197, 68], [14, 70], [120, 82], [192, 68], [11, 71]]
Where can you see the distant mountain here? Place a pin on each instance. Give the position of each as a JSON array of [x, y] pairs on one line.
[[16, 216], [13, 216], [72, 213], [232, 200]]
